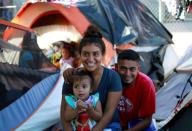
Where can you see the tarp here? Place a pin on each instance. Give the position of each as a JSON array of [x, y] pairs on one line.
[[21, 48], [176, 93], [20, 111], [27, 92], [6, 45], [120, 21], [169, 95], [185, 64]]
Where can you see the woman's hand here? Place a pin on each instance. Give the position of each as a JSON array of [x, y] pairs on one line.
[[67, 74]]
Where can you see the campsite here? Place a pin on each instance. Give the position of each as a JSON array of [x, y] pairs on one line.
[[29, 93]]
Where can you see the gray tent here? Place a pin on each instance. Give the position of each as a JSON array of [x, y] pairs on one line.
[[175, 97]]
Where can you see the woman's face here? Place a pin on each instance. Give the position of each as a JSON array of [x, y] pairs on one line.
[[91, 57]]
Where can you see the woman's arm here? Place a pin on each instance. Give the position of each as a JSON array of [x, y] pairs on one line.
[[95, 114], [67, 115], [112, 102]]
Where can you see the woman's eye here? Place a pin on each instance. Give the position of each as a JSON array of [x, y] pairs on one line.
[[97, 54], [85, 54]]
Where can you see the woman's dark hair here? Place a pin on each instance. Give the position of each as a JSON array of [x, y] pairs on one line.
[[92, 36]]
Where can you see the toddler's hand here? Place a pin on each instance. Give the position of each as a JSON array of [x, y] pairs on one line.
[[80, 106], [89, 107]]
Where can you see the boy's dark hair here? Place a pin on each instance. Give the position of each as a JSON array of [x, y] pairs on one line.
[[129, 55], [81, 75]]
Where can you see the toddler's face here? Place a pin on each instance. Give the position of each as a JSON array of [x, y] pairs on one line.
[[82, 88], [65, 53]]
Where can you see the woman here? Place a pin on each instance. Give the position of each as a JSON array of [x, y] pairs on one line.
[[107, 82]]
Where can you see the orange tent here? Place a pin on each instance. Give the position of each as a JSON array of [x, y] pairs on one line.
[[38, 14]]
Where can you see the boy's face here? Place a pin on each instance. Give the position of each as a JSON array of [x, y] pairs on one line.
[[82, 88], [128, 70]]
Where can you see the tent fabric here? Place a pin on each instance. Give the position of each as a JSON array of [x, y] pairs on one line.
[[183, 105], [123, 20], [20, 110], [120, 21], [186, 65], [168, 56], [155, 61], [185, 62], [151, 62], [24, 91], [15, 81], [182, 122], [175, 94], [18, 52], [171, 93], [49, 109], [6, 45]]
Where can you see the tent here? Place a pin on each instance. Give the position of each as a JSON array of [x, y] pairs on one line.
[[27, 92], [121, 23], [114, 18], [174, 99]]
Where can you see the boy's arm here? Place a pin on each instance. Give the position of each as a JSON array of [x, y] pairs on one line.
[[144, 123], [67, 115], [95, 114]]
